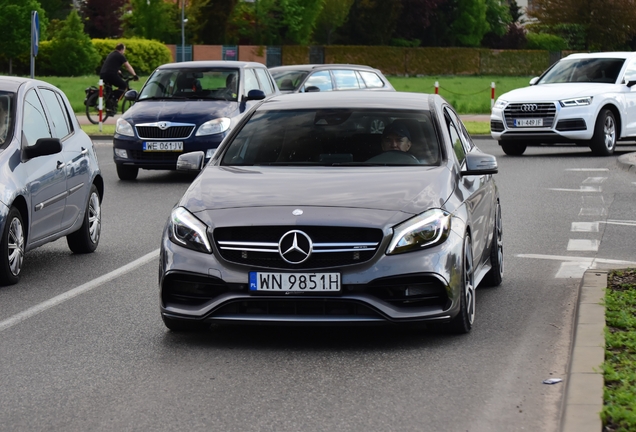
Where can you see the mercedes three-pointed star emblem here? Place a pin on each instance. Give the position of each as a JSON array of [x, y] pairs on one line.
[[295, 247]]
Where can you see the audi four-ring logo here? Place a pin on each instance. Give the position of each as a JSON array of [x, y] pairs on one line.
[[529, 107], [295, 247]]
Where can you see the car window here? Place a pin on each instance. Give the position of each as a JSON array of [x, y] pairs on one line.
[[289, 80], [320, 79], [59, 117], [458, 147], [346, 79], [215, 83], [371, 79], [630, 70], [332, 137], [263, 78], [35, 125], [7, 116], [251, 83], [463, 133], [600, 70]]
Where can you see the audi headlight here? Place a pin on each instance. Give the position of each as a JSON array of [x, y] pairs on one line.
[[188, 231], [500, 104], [428, 229], [124, 128], [576, 102], [214, 126]]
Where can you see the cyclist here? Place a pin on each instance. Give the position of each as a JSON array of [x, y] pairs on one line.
[[110, 73]]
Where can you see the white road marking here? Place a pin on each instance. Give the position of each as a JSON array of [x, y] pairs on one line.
[[592, 211], [594, 180], [619, 222], [17, 318], [581, 189], [588, 260], [592, 206], [583, 245], [588, 169], [584, 227], [572, 270]]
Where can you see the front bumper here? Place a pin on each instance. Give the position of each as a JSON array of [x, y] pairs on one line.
[[203, 287], [137, 157], [571, 124]]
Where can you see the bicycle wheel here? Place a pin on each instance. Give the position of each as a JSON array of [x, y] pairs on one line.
[[125, 104], [92, 109]]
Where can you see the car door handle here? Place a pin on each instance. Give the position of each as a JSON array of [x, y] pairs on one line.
[[84, 151], [60, 165]]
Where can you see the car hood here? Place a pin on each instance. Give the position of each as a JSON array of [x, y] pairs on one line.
[[554, 92], [410, 190], [181, 111]]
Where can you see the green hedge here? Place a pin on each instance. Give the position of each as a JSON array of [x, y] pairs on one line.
[[295, 54], [390, 60], [143, 55], [513, 62], [443, 61]]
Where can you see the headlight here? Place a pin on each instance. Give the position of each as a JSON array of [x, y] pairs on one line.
[[214, 126], [500, 104], [188, 231], [576, 102], [124, 128], [428, 229]]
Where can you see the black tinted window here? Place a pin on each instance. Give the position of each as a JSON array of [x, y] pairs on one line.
[[601, 70]]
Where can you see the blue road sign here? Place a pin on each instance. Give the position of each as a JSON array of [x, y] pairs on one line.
[[35, 32]]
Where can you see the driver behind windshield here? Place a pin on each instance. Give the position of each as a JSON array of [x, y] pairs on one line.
[[396, 136]]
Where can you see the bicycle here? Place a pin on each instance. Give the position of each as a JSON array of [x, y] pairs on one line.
[[110, 104]]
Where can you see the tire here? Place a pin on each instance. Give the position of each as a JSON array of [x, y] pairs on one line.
[[86, 239], [511, 148], [463, 322], [92, 109], [12, 248], [177, 325], [125, 172], [603, 141], [495, 274]]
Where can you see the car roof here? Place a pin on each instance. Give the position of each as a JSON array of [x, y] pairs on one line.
[[611, 54], [334, 100], [12, 83], [308, 67], [210, 64]]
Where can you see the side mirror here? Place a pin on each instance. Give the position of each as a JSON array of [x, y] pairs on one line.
[[43, 147], [192, 161], [534, 80], [478, 163], [255, 95], [312, 89], [131, 95]]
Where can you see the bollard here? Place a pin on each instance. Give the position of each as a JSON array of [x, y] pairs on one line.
[[492, 95], [101, 104], [436, 87]]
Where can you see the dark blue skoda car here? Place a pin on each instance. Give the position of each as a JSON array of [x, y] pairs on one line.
[[186, 107]]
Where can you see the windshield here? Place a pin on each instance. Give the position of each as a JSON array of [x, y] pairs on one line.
[[201, 83], [335, 137], [7, 115], [289, 80], [599, 70]]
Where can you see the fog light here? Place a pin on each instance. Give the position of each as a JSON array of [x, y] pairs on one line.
[[209, 153], [122, 153]]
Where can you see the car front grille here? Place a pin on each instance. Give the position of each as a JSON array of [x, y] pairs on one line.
[[545, 111], [332, 246], [172, 132], [154, 156]]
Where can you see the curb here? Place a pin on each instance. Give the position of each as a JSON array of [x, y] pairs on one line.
[[583, 399], [627, 162]]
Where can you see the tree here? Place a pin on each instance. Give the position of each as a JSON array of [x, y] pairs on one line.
[[57, 9], [371, 22], [103, 19], [208, 20], [333, 15], [15, 27], [416, 17], [153, 19], [72, 52], [607, 24], [471, 25]]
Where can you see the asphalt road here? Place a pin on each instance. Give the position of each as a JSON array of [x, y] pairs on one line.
[[97, 356]]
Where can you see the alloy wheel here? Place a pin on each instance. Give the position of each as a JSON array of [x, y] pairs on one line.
[[609, 129], [94, 217], [15, 244], [469, 282]]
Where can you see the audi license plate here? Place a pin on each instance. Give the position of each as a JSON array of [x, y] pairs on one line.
[[295, 282], [163, 146], [536, 122]]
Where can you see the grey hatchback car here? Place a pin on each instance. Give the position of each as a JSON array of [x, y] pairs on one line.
[[329, 77], [51, 184], [305, 215]]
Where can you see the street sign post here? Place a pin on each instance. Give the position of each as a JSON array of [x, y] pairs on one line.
[[35, 39]]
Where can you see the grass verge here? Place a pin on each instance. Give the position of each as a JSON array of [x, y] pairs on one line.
[[93, 130], [619, 369]]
